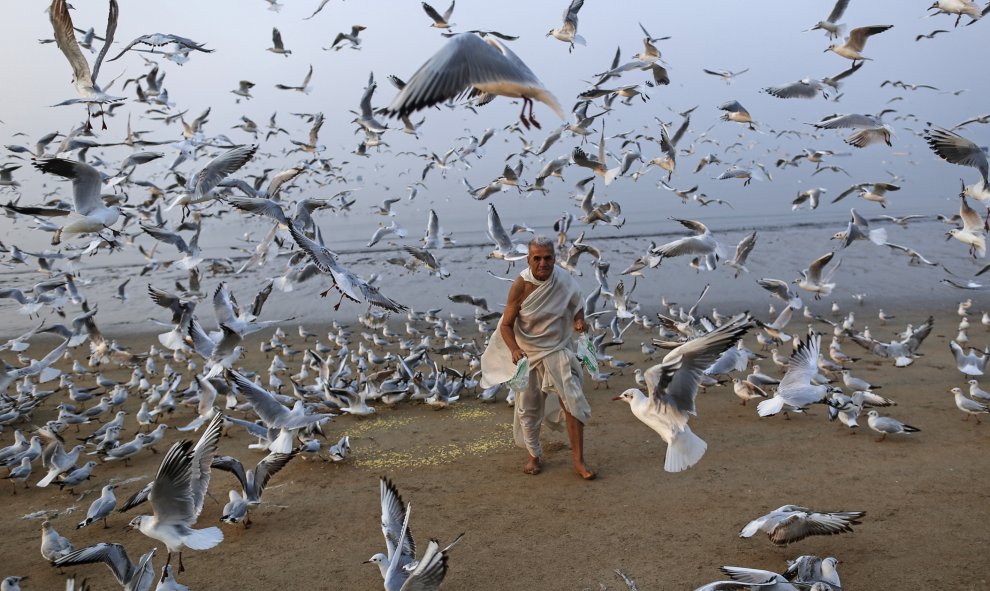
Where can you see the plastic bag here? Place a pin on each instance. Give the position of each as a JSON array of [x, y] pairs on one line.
[[586, 354], [520, 380]]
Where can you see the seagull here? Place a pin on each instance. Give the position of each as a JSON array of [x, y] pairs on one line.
[[856, 41], [219, 353], [471, 64], [743, 249], [954, 148], [133, 577], [781, 290], [344, 280], [969, 406], [253, 482], [673, 386], [885, 425], [958, 8], [440, 21], [277, 46], [970, 362], [859, 229], [90, 214], [101, 508], [796, 389], [871, 128], [567, 32], [353, 38], [904, 351], [505, 249], [736, 112], [304, 87], [791, 523], [973, 232], [83, 79], [177, 495], [702, 244], [200, 186], [275, 415], [725, 74], [812, 279], [829, 25]]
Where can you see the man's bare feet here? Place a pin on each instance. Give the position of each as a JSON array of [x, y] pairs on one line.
[[584, 472], [533, 466]]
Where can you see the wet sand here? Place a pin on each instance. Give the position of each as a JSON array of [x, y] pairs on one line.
[[924, 495]]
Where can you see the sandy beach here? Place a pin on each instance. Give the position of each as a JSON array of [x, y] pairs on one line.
[[923, 494]]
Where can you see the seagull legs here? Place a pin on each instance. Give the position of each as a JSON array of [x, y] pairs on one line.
[[522, 113]]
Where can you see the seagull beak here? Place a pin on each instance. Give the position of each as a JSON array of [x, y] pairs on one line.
[[614, 398]]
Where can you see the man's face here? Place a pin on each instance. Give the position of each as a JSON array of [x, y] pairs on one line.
[[541, 259]]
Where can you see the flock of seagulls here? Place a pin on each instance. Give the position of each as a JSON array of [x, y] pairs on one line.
[[373, 360]]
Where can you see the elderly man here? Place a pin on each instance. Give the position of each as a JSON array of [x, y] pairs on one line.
[[543, 311]]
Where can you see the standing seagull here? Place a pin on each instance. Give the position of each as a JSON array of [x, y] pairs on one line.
[[83, 79], [567, 32], [856, 41], [440, 21], [673, 386], [471, 64], [177, 495]]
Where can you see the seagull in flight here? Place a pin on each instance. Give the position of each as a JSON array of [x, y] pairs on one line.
[[82, 77], [473, 65], [177, 496]]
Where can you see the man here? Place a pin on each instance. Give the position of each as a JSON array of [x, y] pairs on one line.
[[544, 309]]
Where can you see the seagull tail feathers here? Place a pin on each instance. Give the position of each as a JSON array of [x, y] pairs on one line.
[[768, 408], [684, 451], [878, 236], [611, 174], [203, 539]]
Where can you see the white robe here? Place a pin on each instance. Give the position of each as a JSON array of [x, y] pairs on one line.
[[544, 330]]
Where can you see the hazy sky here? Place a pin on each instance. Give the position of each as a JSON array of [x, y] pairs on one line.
[[765, 37]]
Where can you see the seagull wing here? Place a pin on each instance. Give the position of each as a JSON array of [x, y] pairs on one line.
[[956, 149], [113, 555], [260, 206], [270, 410], [684, 367], [202, 458], [432, 567], [219, 168], [86, 181], [232, 465], [112, 14], [798, 526], [814, 273], [65, 38], [803, 363], [168, 238], [171, 492], [269, 467], [857, 37], [393, 512], [972, 222], [321, 257], [465, 61], [837, 10]]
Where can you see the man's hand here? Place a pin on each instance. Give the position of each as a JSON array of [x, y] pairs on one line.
[[579, 325], [517, 355]]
